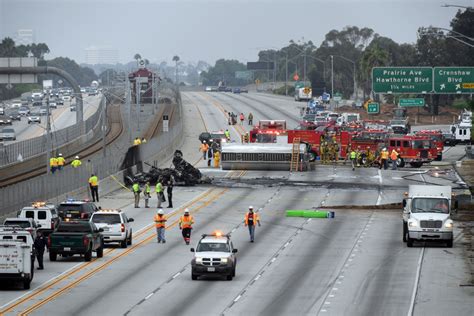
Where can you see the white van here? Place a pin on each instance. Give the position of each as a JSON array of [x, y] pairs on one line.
[[44, 214], [17, 256]]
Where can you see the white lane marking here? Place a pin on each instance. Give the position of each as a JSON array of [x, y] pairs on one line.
[[380, 176], [332, 295], [273, 260], [149, 295], [237, 298], [327, 303], [176, 275], [417, 280], [323, 310], [335, 289], [258, 277], [379, 199]]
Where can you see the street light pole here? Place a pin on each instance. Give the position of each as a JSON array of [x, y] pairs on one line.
[[304, 75], [286, 74], [332, 76]]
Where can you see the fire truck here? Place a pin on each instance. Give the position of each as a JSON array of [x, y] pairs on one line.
[[437, 138], [267, 131]]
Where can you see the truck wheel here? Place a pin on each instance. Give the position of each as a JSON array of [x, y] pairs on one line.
[[400, 163], [409, 242], [53, 256], [124, 243], [193, 276], [233, 272], [405, 232], [439, 157], [416, 164], [100, 251], [129, 242], [26, 284], [449, 243], [88, 255], [229, 277]]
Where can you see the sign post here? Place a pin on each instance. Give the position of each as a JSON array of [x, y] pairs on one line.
[[454, 80]]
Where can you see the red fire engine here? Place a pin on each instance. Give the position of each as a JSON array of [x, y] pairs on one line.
[[437, 138], [267, 131]]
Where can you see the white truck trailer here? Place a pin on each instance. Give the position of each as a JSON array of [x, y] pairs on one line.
[[426, 214]]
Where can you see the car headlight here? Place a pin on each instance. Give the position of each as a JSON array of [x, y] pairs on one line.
[[224, 260], [198, 260], [448, 224], [413, 224]]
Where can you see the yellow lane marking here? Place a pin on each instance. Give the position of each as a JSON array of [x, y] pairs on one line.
[[110, 261]]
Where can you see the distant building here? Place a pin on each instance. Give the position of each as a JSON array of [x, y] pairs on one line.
[[24, 37], [101, 55]]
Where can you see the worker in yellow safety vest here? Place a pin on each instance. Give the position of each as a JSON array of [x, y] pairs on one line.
[[217, 159], [137, 141], [384, 159], [61, 161], [94, 187], [76, 162], [53, 164]]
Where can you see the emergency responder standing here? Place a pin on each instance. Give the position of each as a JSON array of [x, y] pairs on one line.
[[159, 192], [160, 221], [136, 192], [40, 245], [242, 118], [147, 194], [348, 153], [335, 152], [61, 161], [53, 164], [358, 156], [217, 159], [143, 141], [353, 157], [76, 163], [250, 118], [169, 192], [394, 158], [204, 148], [323, 150], [384, 159], [186, 225], [251, 220], [227, 134], [94, 187]]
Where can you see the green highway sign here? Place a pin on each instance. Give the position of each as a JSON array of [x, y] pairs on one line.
[[373, 108], [402, 79], [453, 80], [412, 102], [299, 85], [246, 74]]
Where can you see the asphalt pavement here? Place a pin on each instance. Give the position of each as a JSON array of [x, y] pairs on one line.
[[353, 264]]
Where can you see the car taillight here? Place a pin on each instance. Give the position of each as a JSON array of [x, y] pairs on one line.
[[49, 241], [52, 224], [84, 215], [123, 227], [85, 240]]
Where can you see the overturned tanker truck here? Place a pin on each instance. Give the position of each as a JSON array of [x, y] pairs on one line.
[[183, 173]]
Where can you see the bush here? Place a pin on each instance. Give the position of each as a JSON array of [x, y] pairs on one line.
[[282, 90]]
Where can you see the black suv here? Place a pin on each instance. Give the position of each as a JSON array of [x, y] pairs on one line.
[[76, 210]]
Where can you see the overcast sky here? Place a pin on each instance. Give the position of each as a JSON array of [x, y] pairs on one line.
[[209, 29]]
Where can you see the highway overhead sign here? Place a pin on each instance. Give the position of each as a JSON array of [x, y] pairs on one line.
[[373, 108], [454, 80], [412, 102], [402, 79]]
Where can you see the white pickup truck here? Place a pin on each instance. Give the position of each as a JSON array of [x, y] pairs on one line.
[[426, 214], [16, 255]]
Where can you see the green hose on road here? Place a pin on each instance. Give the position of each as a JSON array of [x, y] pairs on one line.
[[309, 214]]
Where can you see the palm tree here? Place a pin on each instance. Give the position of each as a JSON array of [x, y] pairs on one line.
[[7, 48], [137, 57], [176, 60], [373, 56]]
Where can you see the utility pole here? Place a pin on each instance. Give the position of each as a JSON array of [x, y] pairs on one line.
[[286, 74], [137, 96], [49, 145], [153, 91], [128, 103], [332, 76], [355, 85], [103, 102], [304, 75]]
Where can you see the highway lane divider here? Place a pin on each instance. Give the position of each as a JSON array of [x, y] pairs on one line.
[[10, 307], [107, 263]]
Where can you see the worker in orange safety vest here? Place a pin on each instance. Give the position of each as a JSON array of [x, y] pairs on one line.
[[186, 225]]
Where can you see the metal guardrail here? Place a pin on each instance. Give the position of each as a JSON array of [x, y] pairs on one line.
[[32, 147]]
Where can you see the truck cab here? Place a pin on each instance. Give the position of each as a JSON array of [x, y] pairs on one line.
[[427, 214]]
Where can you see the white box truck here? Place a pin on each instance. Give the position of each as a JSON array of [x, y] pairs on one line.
[[303, 94], [426, 214], [16, 255]]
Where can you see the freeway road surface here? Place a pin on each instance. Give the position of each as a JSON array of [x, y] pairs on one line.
[[62, 117], [353, 264]]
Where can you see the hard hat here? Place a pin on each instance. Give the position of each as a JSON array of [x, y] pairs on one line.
[[250, 207], [77, 157], [186, 211], [204, 141], [60, 155], [385, 148], [160, 211]]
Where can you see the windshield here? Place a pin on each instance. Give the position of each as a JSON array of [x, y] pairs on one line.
[[74, 227], [106, 219], [217, 247], [266, 138], [429, 205]]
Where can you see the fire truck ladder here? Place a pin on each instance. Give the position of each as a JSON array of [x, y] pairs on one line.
[[295, 155]]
